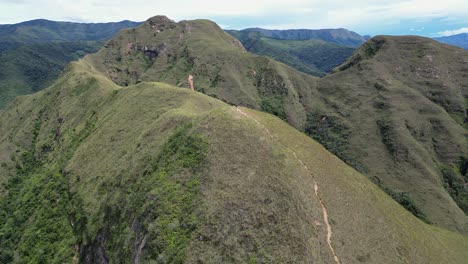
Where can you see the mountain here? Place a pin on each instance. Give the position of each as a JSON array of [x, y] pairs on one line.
[[33, 53], [312, 56], [395, 110], [459, 40], [93, 172], [405, 101], [339, 36], [41, 30]]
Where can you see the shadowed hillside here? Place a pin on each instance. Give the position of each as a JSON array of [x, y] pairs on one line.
[[395, 110], [33, 53], [313, 56], [98, 173]]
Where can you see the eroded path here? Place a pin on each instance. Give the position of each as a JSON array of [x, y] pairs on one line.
[[316, 187]]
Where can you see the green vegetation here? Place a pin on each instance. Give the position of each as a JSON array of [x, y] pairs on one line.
[[153, 173], [42, 31], [30, 68], [314, 56], [39, 212], [160, 207], [34, 53], [456, 183], [332, 132], [406, 201], [338, 36], [274, 106], [389, 136]]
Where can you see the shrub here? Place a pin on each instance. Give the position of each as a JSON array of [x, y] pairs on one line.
[[404, 199], [273, 105], [455, 183], [333, 134]]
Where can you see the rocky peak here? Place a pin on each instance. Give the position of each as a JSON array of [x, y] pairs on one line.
[[161, 23]]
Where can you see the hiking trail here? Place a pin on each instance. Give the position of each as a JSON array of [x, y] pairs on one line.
[[316, 186]]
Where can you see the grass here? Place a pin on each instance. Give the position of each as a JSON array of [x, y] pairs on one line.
[[154, 173]]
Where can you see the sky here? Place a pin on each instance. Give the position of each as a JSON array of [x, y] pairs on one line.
[[366, 17]]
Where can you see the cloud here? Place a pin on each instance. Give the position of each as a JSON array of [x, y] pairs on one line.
[[363, 15], [452, 32], [417, 29]]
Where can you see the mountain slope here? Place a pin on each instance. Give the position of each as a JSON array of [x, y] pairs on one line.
[[33, 53], [459, 40], [365, 113], [339, 36], [312, 56], [29, 68], [95, 172], [404, 99]]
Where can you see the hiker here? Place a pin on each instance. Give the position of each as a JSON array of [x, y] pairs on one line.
[[190, 80]]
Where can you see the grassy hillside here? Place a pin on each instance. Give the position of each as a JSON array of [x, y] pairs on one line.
[[395, 110], [312, 56], [33, 53], [93, 172], [404, 100]]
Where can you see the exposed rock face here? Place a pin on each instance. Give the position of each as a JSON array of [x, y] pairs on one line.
[[161, 23]]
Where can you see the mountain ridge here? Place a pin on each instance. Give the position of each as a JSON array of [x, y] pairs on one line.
[[410, 142]]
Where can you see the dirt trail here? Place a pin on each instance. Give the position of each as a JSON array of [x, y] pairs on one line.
[[316, 187]]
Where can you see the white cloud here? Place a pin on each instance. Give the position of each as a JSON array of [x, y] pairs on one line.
[[107, 10], [453, 32], [267, 13], [417, 29]]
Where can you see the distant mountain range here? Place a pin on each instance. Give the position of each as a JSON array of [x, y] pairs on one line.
[[459, 40], [41, 30], [339, 36]]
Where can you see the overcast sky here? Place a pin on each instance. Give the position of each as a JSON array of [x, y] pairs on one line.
[[393, 17]]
